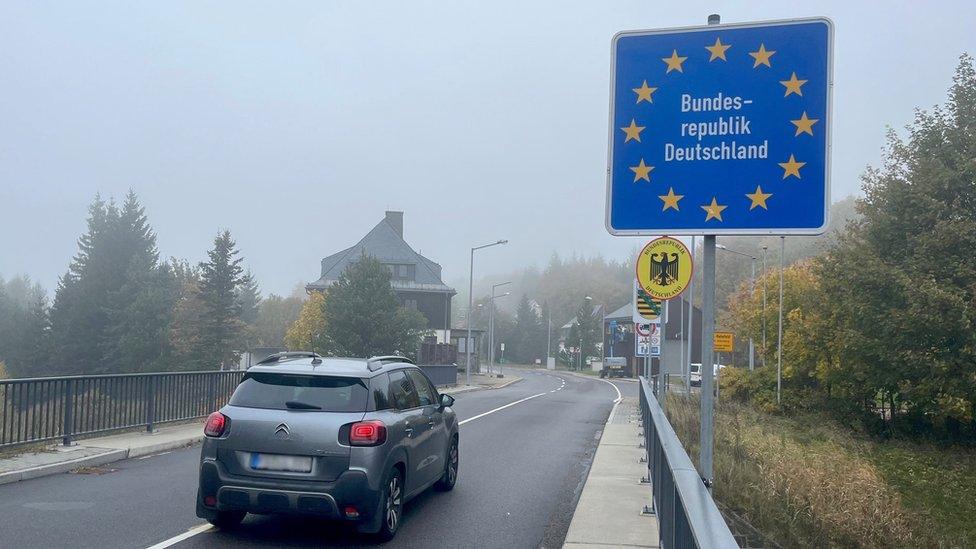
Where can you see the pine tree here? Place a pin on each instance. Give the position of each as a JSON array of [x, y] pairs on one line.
[[527, 332], [249, 301], [139, 311], [23, 328], [221, 278], [364, 317], [189, 324]]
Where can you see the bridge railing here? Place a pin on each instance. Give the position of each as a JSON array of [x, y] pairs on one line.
[[687, 514], [50, 408]]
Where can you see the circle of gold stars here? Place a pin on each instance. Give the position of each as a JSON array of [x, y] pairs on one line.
[[762, 57]]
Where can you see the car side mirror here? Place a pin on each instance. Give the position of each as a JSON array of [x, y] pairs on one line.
[[447, 401]]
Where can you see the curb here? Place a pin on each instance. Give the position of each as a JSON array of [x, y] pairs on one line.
[[104, 458], [162, 446], [506, 384], [108, 456]]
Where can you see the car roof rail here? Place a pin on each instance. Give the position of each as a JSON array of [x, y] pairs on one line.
[[316, 358], [376, 362]]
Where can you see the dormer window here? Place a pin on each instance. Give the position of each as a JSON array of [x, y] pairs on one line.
[[402, 271]]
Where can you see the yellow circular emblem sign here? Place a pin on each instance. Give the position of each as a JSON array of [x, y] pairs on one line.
[[664, 268]]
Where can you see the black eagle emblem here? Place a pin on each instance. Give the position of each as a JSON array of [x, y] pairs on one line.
[[664, 269]]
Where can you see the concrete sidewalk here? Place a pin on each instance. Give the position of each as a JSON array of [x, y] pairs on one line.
[[97, 451], [480, 381], [609, 510]]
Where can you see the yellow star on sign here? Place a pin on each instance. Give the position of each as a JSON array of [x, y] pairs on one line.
[[644, 93], [792, 167], [804, 124], [762, 56], [633, 131], [793, 85], [717, 50], [670, 199], [674, 62], [713, 210], [758, 198], [642, 171]]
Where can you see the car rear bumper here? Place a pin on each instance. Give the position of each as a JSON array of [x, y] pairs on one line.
[[273, 496]]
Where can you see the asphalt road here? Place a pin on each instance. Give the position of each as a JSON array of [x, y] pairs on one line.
[[522, 468]]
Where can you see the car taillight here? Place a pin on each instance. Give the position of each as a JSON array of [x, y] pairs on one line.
[[216, 424], [367, 433]]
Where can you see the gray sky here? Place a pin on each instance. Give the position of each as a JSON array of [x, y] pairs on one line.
[[296, 124]]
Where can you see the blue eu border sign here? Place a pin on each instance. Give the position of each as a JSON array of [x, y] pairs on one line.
[[722, 129]]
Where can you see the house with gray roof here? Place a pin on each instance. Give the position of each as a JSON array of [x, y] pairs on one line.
[[415, 278]]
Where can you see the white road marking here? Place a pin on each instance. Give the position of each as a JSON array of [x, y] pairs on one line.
[[185, 535], [499, 408], [620, 397]]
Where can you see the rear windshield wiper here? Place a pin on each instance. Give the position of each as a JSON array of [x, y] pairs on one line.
[[295, 405]]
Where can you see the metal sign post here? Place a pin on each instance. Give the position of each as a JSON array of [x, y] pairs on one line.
[[707, 370]]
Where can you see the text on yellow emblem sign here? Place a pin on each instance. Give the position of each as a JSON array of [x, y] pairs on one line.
[[664, 268]]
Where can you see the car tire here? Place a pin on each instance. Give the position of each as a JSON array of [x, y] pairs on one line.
[[392, 508], [227, 519], [449, 478]]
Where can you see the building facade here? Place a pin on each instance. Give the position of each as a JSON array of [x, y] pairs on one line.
[[674, 345], [415, 278]]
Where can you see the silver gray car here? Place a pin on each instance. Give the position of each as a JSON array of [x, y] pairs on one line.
[[340, 438]]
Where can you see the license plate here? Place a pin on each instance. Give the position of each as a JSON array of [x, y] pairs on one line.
[[274, 462]]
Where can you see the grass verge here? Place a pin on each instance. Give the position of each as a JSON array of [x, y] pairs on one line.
[[808, 482]]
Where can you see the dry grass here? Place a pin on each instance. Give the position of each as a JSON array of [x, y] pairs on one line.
[[803, 484]]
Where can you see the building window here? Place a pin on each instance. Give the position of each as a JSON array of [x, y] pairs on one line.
[[402, 271], [410, 304]]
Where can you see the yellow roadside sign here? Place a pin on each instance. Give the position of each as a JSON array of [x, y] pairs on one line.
[[664, 268], [723, 342]]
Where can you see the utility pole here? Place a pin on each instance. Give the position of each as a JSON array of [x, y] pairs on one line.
[[549, 338]]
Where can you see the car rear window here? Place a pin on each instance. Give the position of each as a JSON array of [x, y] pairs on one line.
[[273, 391]]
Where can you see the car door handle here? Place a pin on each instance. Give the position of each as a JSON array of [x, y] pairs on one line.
[[430, 423], [408, 431]]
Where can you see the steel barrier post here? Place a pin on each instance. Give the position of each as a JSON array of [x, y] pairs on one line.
[[69, 417], [150, 403]]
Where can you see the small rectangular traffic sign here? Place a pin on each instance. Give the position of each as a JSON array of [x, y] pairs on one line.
[[722, 129], [723, 342]]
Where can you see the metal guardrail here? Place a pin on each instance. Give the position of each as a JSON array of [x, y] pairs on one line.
[[50, 408], [687, 514]]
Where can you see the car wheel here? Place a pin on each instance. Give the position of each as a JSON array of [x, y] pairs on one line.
[[449, 478], [227, 519], [392, 505]]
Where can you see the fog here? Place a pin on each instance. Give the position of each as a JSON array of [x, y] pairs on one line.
[[295, 125]]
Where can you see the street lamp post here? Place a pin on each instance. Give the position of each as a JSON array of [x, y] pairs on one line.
[[491, 324], [752, 346], [779, 340], [467, 342], [764, 307]]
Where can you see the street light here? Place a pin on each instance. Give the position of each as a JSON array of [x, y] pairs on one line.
[[752, 346], [491, 324], [467, 342], [764, 306]]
